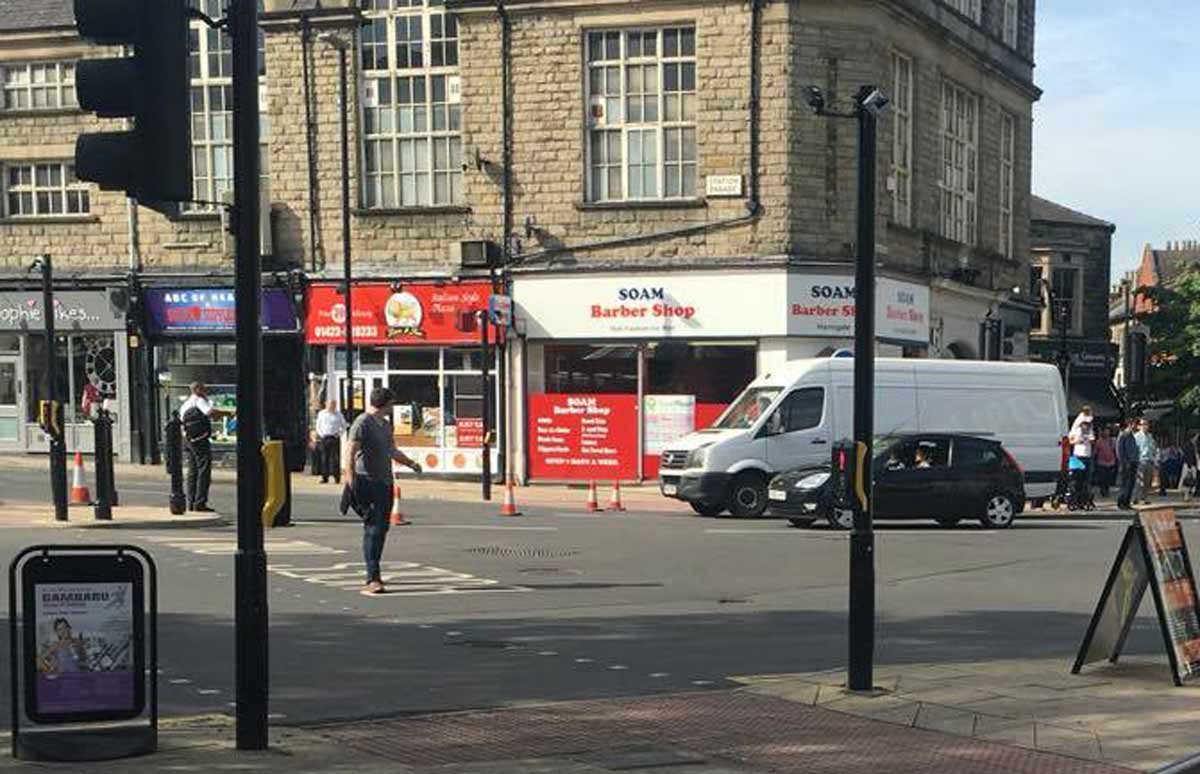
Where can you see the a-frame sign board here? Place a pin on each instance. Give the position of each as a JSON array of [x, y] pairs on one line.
[[1153, 555]]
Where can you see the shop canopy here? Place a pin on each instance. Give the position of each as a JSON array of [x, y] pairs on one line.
[[1096, 392]]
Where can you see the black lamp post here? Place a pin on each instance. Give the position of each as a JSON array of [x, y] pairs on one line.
[[343, 49], [869, 103]]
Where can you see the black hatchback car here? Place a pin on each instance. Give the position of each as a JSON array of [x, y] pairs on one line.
[[943, 477]]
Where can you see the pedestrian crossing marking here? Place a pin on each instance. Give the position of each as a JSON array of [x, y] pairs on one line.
[[400, 578], [209, 546]]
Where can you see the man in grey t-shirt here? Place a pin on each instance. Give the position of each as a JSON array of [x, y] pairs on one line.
[[368, 471]]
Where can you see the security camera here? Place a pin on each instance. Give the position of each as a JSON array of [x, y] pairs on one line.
[[875, 102], [815, 99]]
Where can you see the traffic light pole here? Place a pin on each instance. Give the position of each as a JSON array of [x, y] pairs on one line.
[[58, 443], [252, 667], [862, 535]]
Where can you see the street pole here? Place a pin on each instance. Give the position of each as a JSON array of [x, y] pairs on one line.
[[252, 668], [485, 354], [58, 441], [348, 406], [862, 535]]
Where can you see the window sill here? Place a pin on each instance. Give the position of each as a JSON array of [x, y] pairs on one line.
[[447, 209], [48, 220], [197, 215], [41, 112], [658, 204]]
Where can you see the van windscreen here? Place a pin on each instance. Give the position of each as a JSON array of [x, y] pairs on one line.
[[746, 410]]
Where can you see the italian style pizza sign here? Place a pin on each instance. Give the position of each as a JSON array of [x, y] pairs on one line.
[[583, 437], [429, 313]]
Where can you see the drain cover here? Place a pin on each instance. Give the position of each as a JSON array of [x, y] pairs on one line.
[[548, 571], [487, 644], [524, 552]]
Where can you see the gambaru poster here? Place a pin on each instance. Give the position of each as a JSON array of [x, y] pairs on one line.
[[84, 654]]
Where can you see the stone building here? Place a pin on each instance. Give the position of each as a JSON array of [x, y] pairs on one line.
[[672, 217], [1070, 271]]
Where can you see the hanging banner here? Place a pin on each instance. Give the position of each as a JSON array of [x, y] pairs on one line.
[[583, 437], [398, 314]]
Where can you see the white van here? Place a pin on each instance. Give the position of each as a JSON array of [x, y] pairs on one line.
[[790, 418]]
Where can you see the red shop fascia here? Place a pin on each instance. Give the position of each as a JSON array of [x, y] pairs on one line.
[[394, 314]]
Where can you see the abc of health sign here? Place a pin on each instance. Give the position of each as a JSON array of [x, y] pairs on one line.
[[736, 303]]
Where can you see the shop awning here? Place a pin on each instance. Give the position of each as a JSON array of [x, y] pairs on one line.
[[1095, 392]]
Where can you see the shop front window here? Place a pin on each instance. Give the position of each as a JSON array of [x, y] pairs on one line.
[[82, 359], [712, 373], [585, 368]]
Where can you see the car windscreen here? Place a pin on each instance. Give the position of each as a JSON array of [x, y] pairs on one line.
[[746, 410]]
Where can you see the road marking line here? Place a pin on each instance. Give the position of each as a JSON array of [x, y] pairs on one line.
[[490, 527], [660, 674], [399, 578], [547, 652], [585, 661], [618, 667]]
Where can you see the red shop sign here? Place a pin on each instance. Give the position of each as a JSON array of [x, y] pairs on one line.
[[583, 437], [411, 313]]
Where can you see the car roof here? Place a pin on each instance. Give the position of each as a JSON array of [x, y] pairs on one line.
[[946, 437]]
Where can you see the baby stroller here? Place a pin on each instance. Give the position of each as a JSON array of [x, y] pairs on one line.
[[1079, 494]]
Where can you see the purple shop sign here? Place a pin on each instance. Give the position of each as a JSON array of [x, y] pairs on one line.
[[214, 310]]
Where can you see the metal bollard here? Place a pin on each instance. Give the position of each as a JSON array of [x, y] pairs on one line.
[[103, 428], [173, 445]]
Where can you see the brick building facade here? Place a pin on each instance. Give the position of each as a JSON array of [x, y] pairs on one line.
[[658, 146]]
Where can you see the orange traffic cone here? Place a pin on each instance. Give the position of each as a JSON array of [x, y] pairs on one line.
[[614, 502], [397, 518], [509, 506], [593, 505], [79, 491]]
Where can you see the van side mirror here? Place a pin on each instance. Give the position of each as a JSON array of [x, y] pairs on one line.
[[775, 423]]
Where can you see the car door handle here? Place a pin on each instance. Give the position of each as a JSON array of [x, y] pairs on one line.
[[819, 442]]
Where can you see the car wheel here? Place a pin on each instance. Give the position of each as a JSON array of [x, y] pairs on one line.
[[802, 523], [748, 495], [707, 510], [999, 512], [949, 522], [840, 518]]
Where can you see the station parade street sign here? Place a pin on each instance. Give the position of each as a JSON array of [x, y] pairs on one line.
[[1153, 555], [79, 640]]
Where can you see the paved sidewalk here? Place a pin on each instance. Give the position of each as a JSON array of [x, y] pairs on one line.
[[704, 732], [27, 514], [1128, 713]]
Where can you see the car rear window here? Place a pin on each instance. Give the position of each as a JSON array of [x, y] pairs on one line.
[[972, 453]]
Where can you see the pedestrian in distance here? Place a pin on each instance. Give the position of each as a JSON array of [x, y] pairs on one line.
[[1189, 480], [368, 473], [1105, 454], [1082, 438], [196, 415], [1147, 461], [1170, 466], [330, 426], [1128, 461]]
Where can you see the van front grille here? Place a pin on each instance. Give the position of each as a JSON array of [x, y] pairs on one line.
[[674, 459]]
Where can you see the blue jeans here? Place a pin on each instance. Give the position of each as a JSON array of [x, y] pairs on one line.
[[378, 497]]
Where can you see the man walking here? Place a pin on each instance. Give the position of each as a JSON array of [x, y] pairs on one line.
[[330, 426], [368, 471], [196, 415], [1147, 459], [1128, 458]]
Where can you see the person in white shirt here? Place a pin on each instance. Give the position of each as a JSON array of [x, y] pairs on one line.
[[330, 426], [196, 415]]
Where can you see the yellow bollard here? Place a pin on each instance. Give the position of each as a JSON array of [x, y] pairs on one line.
[[274, 490]]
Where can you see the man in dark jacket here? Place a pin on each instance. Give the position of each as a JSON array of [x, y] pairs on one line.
[[1128, 457]]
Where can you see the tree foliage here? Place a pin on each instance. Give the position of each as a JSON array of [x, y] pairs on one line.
[[1174, 347]]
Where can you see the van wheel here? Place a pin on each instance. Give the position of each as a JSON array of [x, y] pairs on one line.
[[706, 510], [1000, 511], [840, 518], [748, 495]]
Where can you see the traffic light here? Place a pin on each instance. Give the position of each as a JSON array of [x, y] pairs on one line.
[[153, 161], [1134, 364], [848, 468]]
